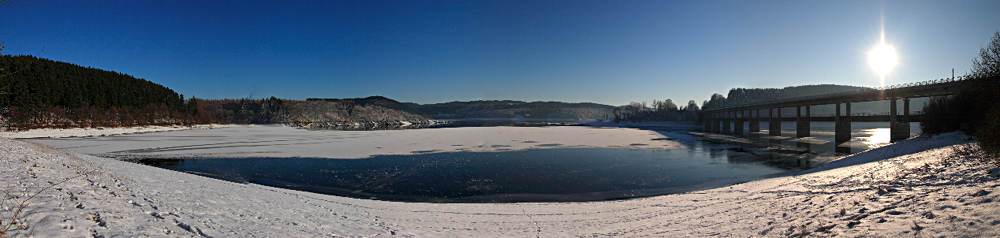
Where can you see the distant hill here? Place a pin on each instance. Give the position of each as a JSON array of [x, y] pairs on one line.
[[515, 109]]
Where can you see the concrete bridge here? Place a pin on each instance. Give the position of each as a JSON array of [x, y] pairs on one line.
[[730, 119]]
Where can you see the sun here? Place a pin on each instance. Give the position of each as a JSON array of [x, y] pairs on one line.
[[882, 58]]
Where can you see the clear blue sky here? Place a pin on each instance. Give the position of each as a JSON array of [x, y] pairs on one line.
[[609, 52]]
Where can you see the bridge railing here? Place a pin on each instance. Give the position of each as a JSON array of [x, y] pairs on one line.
[[859, 91]]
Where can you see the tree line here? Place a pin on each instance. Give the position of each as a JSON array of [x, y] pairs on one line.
[[664, 110]]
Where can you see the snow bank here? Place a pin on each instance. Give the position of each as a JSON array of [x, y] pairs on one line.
[[916, 194]]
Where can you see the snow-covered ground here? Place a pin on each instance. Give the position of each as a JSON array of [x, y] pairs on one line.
[[912, 188]]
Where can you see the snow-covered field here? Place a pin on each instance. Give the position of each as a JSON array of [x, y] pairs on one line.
[[912, 188]]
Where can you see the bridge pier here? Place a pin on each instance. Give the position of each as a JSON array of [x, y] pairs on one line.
[[754, 120], [708, 122], [899, 126], [726, 120], [906, 116], [801, 123], [774, 128], [718, 123], [842, 124], [711, 123], [738, 122]]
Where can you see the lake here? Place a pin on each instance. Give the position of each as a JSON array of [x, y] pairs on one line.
[[543, 175]]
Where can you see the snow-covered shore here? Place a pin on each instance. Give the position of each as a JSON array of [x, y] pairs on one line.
[[911, 188]]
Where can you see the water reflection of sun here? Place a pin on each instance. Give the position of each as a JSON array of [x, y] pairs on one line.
[[876, 137]]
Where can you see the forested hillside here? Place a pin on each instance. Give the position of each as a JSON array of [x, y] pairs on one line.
[[36, 92], [41, 93], [516, 109]]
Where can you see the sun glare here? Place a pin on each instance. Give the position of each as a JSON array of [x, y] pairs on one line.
[[882, 58]]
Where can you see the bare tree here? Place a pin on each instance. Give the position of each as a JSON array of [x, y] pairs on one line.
[[988, 63]]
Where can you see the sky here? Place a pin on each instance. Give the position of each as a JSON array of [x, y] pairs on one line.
[[609, 52]]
